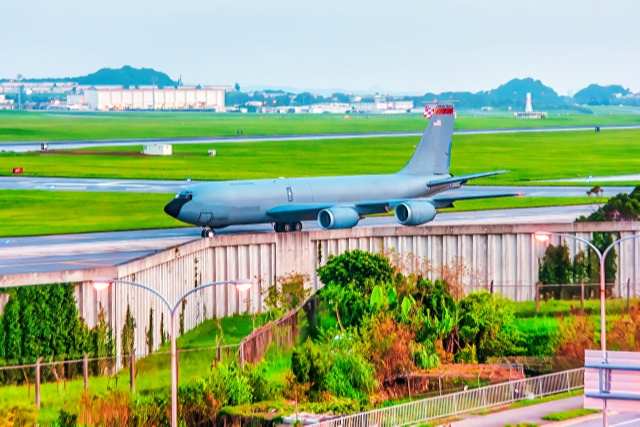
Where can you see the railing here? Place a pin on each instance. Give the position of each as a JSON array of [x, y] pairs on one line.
[[283, 332], [35, 380], [463, 401]]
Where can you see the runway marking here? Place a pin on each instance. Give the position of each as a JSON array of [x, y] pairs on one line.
[[624, 423]]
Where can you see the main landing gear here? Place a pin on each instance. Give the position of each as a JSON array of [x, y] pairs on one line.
[[207, 232], [285, 227]]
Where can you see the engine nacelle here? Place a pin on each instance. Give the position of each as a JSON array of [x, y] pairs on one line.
[[415, 212], [338, 217]]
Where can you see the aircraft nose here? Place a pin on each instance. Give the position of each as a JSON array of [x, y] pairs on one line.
[[173, 207]]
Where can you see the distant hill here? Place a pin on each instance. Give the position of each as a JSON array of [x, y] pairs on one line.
[[600, 95], [509, 95], [125, 76]]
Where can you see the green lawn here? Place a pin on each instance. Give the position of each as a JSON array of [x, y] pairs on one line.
[[37, 212], [153, 372], [529, 157], [569, 414], [25, 213], [48, 126]]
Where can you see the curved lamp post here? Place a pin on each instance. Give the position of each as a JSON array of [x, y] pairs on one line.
[[544, 237], [241, 285]]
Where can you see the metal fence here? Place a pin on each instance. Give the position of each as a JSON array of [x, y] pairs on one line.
[[47, 380], [463, 401]]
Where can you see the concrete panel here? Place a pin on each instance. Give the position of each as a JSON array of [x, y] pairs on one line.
[[508, 255]]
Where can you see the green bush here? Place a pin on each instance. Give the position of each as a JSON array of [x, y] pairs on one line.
[[336, 366], [538, 336], [229, 385], [261, 387], [361, 268], [487, 322], [350, 279], [310, 364], [350, 376]]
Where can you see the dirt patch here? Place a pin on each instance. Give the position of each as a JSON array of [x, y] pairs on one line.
[[94, 153]]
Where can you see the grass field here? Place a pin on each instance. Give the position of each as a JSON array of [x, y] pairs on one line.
[[27, 213], [529, 157], [152, 371], [569, 414], [48, 126]]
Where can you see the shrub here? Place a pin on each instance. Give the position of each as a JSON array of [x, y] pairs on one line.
[[487, 322], [288, 294], [198, 406], [576, 335], [539, 336], [310, 364], [389, 346], [350, 376], [261, 387], [228, 384], [625, 331], [361, 268], [17, 415]]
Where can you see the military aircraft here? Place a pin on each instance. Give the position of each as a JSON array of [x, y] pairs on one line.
[[337, 201]]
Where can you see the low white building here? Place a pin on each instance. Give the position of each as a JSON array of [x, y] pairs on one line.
[[158, 150], [152, 98]]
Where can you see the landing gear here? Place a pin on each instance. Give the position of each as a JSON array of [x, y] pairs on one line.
[[285, 227], [207, 233]]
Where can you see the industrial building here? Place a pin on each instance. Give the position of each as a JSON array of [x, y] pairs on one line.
[[153, 98]]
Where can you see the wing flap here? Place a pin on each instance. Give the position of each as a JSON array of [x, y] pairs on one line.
[[447, 201]]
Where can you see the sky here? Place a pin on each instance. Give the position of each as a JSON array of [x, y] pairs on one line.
[[399, 46]]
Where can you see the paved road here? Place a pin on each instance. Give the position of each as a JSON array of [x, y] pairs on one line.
[[35, 146], [78, 251], [167, 186], [533, 414], [529, 414]]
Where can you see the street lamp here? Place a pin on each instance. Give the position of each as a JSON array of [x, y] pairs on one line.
[[545, 237], [241, 285]]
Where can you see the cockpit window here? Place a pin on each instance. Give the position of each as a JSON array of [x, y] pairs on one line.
[[187, 195]]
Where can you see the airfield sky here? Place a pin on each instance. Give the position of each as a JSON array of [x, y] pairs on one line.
[[401, 46]]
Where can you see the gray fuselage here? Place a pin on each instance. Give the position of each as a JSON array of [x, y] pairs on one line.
[[219, 204]]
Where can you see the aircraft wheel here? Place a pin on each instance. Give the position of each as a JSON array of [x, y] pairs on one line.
[[297, 226], [286, 227], [207, 233], [277, 227]]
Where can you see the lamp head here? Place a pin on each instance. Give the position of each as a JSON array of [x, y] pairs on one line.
[[101, 285], [542, 236]]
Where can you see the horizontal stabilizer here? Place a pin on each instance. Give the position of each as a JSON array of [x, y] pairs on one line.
[[462, 179]]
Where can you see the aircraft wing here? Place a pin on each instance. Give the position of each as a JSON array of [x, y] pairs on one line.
[[462, 179], [448, 200], [309, 211]]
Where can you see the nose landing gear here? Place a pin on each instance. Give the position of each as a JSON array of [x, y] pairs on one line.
[[285, 227]]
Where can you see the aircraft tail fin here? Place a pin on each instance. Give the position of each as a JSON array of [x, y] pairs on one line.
[[433, 153]]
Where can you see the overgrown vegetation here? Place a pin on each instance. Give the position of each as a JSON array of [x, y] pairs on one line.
[[43, 322]]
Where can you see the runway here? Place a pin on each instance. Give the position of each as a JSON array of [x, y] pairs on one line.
[[22, 147], [168, 186], [80, 251]]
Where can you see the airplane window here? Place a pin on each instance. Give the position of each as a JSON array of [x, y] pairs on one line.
[[185, 195]]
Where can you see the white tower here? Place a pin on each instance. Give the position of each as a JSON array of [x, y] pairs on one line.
[[528, 107]]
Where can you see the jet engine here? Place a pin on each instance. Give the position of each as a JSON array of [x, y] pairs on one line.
[[338, 217], [414, 212]]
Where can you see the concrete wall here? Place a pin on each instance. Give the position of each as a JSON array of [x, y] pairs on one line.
[[505, 254]]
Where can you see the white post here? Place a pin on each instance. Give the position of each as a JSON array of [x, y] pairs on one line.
[[174, 372]]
